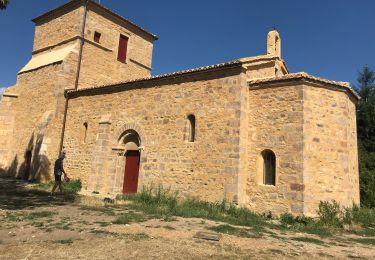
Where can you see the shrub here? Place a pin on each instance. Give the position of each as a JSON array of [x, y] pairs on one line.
[[289, 219], [330, 213], [362, 216], [74, 186], [304, 224]]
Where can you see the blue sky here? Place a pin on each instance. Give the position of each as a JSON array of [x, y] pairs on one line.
[[327, 38]]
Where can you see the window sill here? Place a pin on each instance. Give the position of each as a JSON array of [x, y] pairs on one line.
[[99, 45], [123, 62], [267, 185]]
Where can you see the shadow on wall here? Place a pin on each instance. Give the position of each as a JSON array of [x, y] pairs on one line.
[[35, 166], [40, 164], [12, 169]]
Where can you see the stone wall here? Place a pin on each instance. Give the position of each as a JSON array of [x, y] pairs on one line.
[[54, 31], [6, 130], [259, 70], [100, 65], [275, 123], [38, 113], [330, 148], [312, 130], [207, 168], [310, 127]]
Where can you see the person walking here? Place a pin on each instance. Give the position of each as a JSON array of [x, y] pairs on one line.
[[59, 170]]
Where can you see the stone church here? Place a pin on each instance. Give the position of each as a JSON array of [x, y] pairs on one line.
[[247, 130]]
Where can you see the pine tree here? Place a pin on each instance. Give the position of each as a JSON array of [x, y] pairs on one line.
[[366, 135]]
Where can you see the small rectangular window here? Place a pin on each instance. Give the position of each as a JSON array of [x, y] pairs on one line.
[[122, 48], [97, 37]]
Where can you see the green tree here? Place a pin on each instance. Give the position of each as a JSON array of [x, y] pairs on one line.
[[366, 135], [3, 4]]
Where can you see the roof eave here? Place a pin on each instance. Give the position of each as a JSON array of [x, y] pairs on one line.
[[46, 15], [103, 8], [307, 78], [200, 70], [77, 3]]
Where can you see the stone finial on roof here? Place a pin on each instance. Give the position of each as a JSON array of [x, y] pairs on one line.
[[274, 43]]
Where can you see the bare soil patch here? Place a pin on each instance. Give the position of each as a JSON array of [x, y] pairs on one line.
[[35, 226]]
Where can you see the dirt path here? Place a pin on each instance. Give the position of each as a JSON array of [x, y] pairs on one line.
[[35, 226]]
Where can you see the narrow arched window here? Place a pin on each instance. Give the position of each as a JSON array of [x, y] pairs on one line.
[[269, 167], [84, 132], [191, 119]]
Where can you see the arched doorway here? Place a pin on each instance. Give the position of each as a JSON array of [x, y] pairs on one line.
[[130, 140]]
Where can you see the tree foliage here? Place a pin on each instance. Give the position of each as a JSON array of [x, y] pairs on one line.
[[3, 4], [366, 135]]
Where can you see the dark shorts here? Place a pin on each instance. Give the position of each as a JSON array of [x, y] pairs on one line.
[[57, 177]]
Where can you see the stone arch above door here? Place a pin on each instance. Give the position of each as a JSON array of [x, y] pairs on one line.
[[129, 140], [129, 127]]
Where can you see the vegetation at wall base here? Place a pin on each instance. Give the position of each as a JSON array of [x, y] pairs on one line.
[[164, 203], [74, 186], [304, 224], [332, 218]]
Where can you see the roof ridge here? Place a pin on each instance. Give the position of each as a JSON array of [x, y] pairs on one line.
[[166, 75], [300, 75], [297, 75], [123, 18]]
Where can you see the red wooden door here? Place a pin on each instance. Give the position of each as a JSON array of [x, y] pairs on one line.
[[131, 172], [122, 48]]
